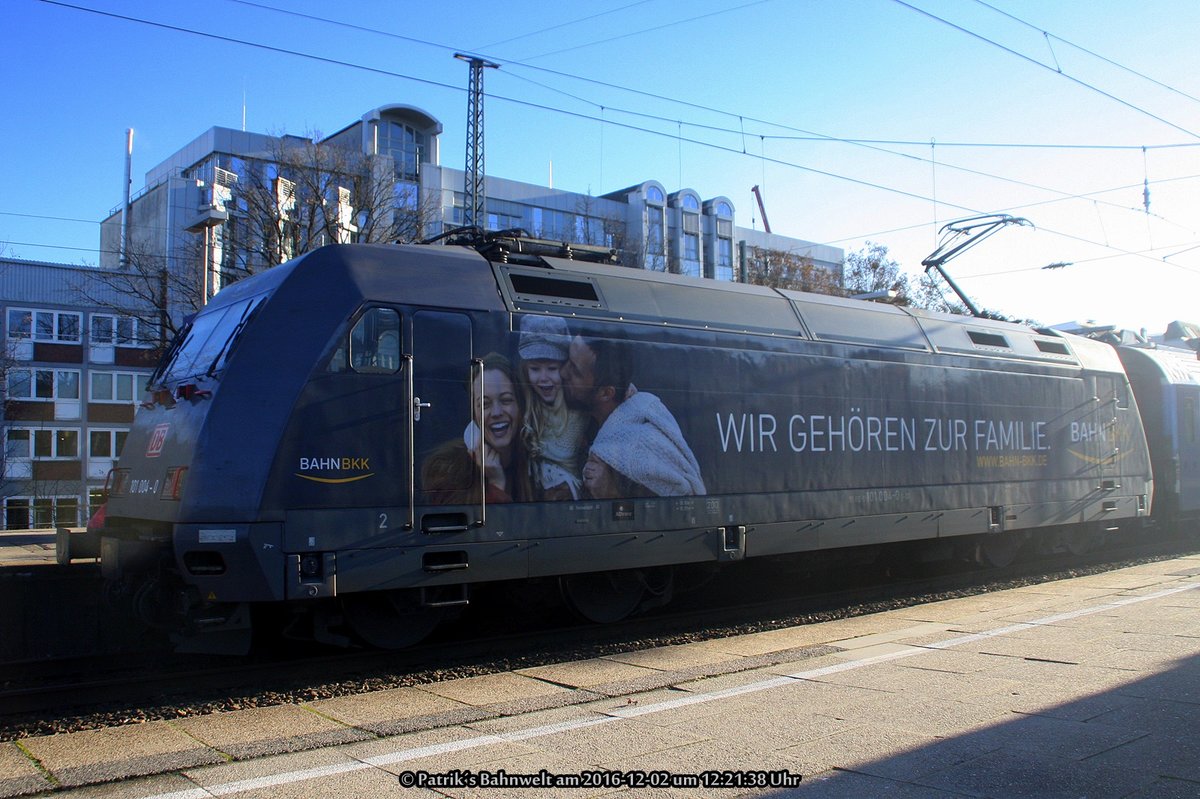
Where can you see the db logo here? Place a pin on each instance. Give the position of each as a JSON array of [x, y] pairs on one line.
[[157, 439]]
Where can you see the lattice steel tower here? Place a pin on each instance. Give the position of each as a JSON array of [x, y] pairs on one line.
[[476, 198]]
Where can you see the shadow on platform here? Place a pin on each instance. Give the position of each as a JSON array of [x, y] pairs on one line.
[[1136, 741]]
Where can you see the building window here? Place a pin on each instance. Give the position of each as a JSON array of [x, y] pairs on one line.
[[16, 514], [106, 443], [50, 326], [55, 444], [690, 242], [103, 329], [96, 498], [22, 513], [656, 242], [123, 331], [402, 142], [690, 203], [724, 269], [20, 323], [17, 445], [43, 384], [23, 444], [654, 195], [117, 386], [724, 209], [504, 215]]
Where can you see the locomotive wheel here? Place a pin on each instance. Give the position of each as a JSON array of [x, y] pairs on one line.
[[389, 619], [152, 604], [604, 597], [998, 549]]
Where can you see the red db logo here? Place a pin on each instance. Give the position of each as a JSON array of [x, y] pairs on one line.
[[157, 439]]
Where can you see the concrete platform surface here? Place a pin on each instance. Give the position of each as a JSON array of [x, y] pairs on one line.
[[1081, 687], [25, 548]]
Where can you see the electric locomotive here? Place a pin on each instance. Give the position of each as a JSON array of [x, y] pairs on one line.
[[366, 433]]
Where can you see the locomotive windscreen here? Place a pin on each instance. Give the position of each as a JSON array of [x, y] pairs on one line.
[[206, 344]]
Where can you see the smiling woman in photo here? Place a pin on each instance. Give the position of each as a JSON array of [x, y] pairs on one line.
[[451, 473]]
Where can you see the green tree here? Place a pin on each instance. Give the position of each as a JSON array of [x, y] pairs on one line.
[[873, 269]]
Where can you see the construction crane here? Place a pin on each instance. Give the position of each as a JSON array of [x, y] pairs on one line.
[[761, 208]]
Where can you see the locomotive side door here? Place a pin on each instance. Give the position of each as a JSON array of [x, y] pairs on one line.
[[440, 401], [1097, 429], [1113, 429]]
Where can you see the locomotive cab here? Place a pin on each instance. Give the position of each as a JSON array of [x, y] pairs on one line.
[[280, 430]]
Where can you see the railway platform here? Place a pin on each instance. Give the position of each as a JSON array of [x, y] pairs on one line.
[[1080, 687], [22, 548]]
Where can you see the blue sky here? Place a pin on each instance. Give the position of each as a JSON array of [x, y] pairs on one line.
[[714, 95]]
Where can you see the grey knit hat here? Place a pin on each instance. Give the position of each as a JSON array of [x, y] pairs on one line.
[[642, 441], [544, 338]]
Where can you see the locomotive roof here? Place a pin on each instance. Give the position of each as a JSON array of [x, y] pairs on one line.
[[559, 286], [568, 287]]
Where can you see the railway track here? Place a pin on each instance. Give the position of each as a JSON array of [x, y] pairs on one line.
[[506, 631]]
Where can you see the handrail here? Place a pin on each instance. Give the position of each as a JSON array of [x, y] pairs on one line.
[[482, 521], [412, 458]]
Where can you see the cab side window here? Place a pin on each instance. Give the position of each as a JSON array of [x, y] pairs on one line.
[[373, 346]]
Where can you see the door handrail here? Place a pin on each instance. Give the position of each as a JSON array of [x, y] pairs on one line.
[[411, 453], [482, 520]]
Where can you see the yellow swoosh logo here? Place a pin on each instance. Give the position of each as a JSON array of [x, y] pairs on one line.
[[1094, 460], [335, 481]]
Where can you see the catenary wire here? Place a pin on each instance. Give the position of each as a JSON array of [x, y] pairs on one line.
[[673, 136], [668, 120], [870, 144], [1034, 61], [1092, 53], [567, 24]]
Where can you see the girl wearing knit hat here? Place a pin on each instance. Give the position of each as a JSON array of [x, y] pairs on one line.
[[640, 452], [554, 433]]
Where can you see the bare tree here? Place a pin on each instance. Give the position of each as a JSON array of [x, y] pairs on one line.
[[787, 270], [7, 363], [301, 195], [306, 194], [596, 229], [152, 290]]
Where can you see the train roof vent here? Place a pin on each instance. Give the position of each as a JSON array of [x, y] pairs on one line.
[[856, 322], [575, 292], [988, 339], [639, 295], [1053, 347]]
